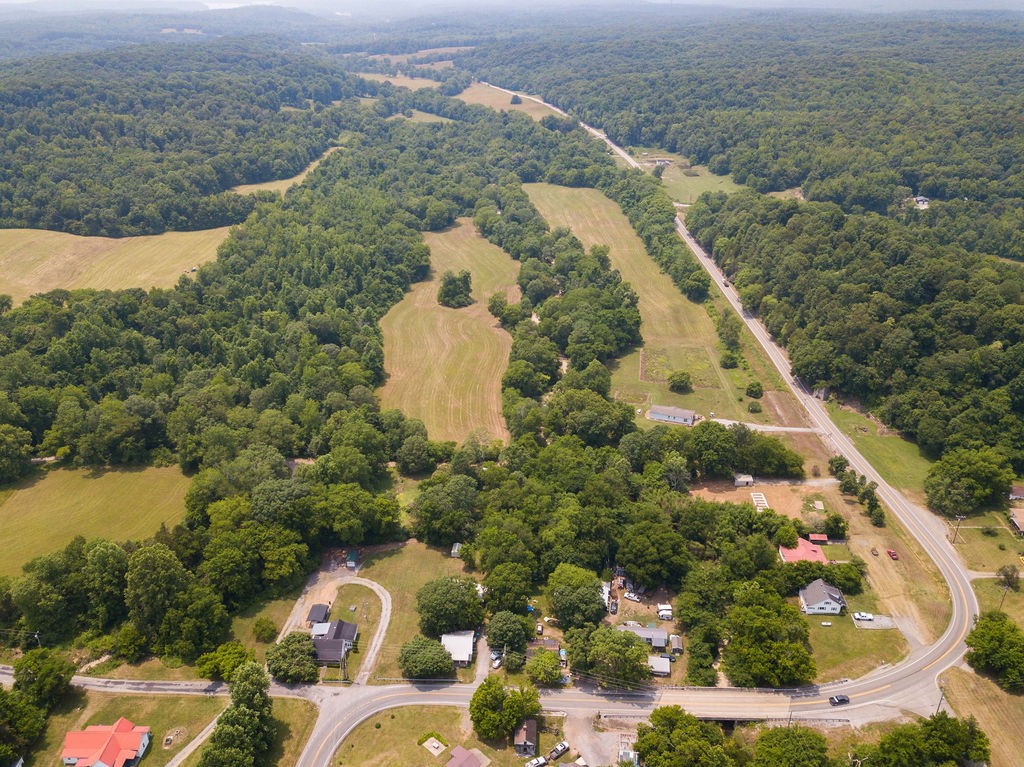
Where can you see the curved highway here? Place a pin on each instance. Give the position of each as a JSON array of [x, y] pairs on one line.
[[885, 693]]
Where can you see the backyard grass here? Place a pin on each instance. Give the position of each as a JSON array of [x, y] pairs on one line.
[[36, 261], [898, 460], [389, 739], [986, 542], [843, 651], [48, 509], [165, 715], [445, 365], [283, 185], [366, 615], [402, 571], [677, 333], [999, 714], [294, 720], [150, 670], [485, 95], [990, 596], [277, 610], [400, 81]]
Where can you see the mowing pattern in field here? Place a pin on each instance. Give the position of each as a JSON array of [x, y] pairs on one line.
[[445, 365], [485, 95], [283, 185], [35, 261], [400, 81], [678, 334], [43, 514]]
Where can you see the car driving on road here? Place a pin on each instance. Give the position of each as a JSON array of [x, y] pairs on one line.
[[839, 700]]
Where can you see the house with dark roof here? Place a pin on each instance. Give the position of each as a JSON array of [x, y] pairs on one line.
[[333, 645], [821, 598], [463, 758], [121, 744], [318, 614], [1017, 493], [525, 741]]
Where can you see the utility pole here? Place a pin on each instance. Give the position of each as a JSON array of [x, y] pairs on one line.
[[959, 518], [942, 697], [1006, 587]]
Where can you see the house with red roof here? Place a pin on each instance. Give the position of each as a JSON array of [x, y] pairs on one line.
[[121, 744], [805, 551]]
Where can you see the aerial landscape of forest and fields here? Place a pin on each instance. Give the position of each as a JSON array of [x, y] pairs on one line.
[[596, 384]]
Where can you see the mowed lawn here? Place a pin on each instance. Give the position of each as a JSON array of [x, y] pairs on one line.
[[45, 512], [487, 96], [294, 720], [36, 261], [389, 739], [445, 365], [182, 717], [677, 333], [402, 571]]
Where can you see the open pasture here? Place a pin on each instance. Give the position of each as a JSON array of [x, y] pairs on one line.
[[36, 261], [400, 81], [283, 185], [44, 512], [445, 365], [677, 333], [487, 96]]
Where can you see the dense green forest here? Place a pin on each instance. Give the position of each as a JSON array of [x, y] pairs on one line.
[[145, 139]]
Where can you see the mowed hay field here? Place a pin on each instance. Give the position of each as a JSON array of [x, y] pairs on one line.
[[400, 81], [999, 714], [283, 185], [678, 334], [44, 513], [487, 96], [445, 365], [36, 261]]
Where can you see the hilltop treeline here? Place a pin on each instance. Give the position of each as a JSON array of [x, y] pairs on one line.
[[146, 139], [861, 112], [931, 335]]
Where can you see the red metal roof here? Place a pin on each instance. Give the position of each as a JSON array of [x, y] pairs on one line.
[[105, 745]]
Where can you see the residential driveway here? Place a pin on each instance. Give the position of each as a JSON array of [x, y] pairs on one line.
[[880, 622], [322, 588]]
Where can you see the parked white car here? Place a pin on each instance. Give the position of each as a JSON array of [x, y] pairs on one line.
[[863, 617], [631, 596], [540, 761]]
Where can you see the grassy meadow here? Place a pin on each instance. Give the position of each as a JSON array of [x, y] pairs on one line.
[[677, 333], [897, 459], [400, 81], [47, 510], [163, 714], [485, 95], [998, 713], [389, 739], [684, 182], [36, 261], [843, 651], [445, 365], [294, 719], [402, 571], [283, 185]]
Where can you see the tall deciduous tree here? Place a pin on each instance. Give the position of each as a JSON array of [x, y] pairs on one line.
[[448, 604], [575, 595]]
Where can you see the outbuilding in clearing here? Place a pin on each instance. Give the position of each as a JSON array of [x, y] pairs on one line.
[[676, 415]]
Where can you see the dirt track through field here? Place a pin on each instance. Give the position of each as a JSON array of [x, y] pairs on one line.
[[445, 365]]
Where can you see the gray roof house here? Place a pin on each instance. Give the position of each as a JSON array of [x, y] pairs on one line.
[[526, 738], [656, 638], [659, 666], [318, 614], [332, 646], [460, 645], [821, 598]]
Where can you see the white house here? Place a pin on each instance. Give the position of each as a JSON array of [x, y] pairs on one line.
[[106, 745], [820, 598], [742, 480], [667, 414], [659, 666], [460, 645]]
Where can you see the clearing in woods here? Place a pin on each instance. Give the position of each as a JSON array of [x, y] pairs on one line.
[[488, 96], [400, 81], [283, 185], [445, 365], [36, 261], [677, 333], [44, 512]]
